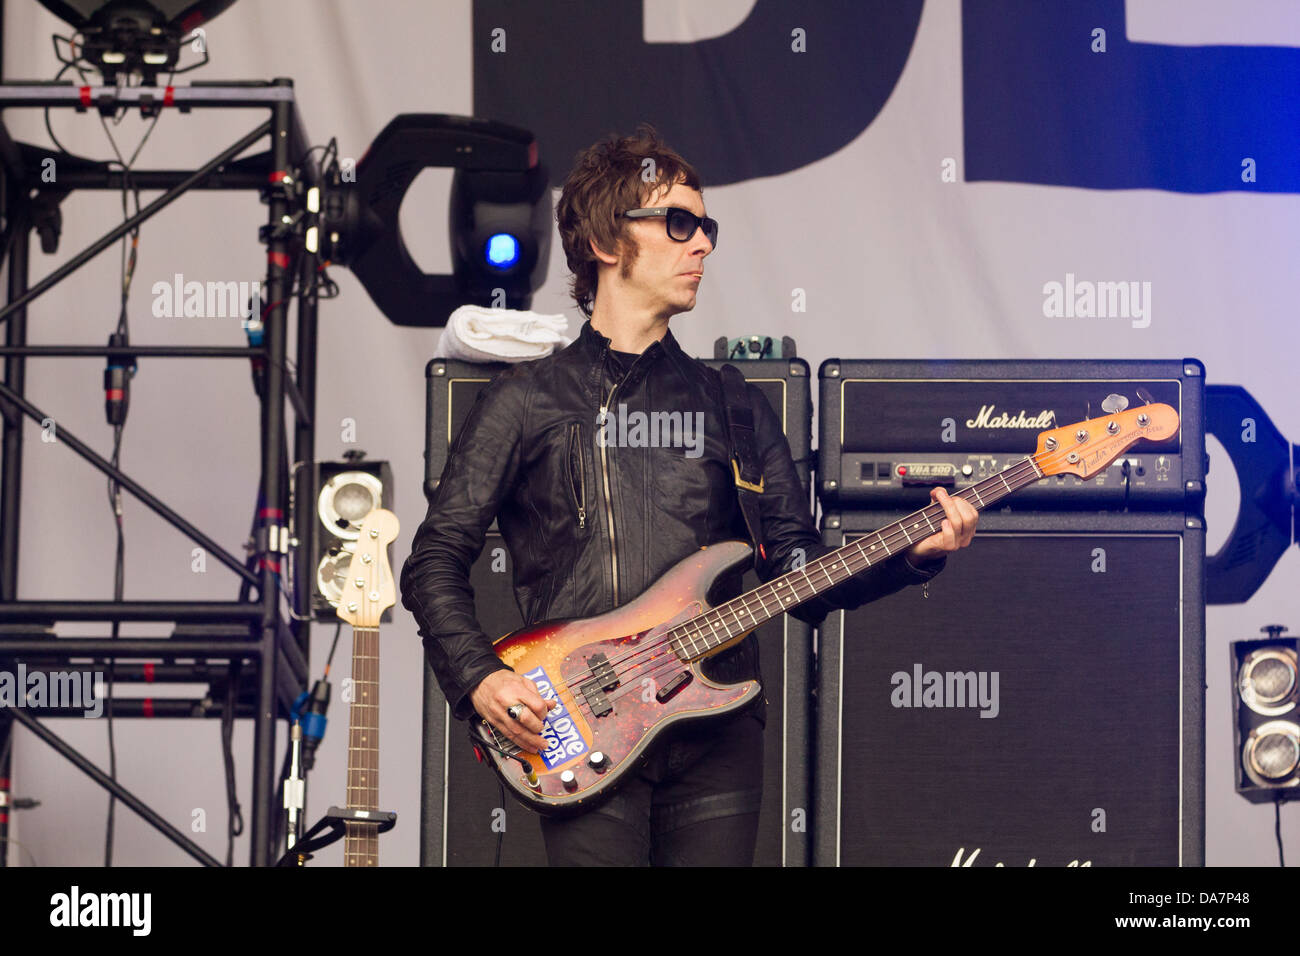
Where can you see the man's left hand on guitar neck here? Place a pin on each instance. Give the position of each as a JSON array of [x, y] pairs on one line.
[[955, 532]]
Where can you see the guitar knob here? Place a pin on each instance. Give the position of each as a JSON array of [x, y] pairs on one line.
[[597, 761], [569, 779]]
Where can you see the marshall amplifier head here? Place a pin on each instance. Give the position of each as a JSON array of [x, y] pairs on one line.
[[889, 430]]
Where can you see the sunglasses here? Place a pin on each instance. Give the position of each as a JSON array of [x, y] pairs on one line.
[[681, 223]]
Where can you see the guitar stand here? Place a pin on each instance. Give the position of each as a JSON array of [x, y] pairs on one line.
[[337, 820]]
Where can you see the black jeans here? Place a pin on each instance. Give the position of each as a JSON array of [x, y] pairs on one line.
[[694, 803]]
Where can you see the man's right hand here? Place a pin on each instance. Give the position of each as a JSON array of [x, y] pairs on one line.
[[501, 690]]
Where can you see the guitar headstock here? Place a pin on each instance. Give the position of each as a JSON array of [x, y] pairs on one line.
[[1086, 448], [369, 590]]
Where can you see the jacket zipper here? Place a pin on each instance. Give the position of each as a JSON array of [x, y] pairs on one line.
[[609, 501], [580, 489]]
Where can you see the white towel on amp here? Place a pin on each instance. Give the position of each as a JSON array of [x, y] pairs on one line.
[[478, 334]]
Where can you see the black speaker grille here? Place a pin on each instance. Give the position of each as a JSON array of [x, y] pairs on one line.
[[1070, 749]]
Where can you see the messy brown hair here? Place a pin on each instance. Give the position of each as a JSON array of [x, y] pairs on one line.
[[608, 178]]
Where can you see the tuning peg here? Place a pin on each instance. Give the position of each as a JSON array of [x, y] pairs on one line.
[[1144, 395], [1113, 404]]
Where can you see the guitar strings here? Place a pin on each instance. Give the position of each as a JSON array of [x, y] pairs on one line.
[[625, 665], [361, 839], [656, 658], [1022, 469], [658, 662]]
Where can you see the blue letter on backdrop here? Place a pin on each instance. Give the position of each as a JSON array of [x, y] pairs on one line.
[[1042, 107], [738, 106]]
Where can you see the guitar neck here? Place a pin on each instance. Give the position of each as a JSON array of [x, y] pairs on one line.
[[361, 842], [709, 632]]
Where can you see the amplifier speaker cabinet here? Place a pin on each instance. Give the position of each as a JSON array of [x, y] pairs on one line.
[[1040, 703], [462, 810]]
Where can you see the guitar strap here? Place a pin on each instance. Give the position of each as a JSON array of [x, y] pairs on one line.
[[745, 465]]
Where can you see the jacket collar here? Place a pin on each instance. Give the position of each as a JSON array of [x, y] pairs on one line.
[[595, 346]]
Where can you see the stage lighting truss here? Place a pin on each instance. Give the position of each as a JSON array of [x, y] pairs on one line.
[[121, 39]]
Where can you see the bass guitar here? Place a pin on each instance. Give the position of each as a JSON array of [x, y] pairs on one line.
[[618, 680], [367, 592]]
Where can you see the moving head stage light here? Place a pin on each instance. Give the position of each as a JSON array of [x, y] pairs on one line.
[[132, 37], [499, 217], [1267, 467]]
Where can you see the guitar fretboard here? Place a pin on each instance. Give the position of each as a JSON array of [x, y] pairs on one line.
[[706, 634], [361, 841]]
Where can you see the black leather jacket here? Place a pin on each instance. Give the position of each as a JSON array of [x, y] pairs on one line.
[[528, 456]]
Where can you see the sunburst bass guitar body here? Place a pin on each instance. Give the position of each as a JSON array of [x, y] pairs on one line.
[[618, 680]]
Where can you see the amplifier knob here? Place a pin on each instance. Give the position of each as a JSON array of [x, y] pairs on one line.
[[569, 779], [966, 470]]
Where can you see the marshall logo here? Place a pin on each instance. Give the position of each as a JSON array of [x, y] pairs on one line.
[[970, 860], [990, 418]]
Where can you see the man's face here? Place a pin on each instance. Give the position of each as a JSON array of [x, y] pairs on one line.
[[659, 274]]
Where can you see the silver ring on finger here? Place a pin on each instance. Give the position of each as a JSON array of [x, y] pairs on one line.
[[515, 710]]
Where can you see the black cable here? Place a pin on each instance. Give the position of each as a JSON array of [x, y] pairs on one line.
[[131, 242], [5, 750], [501, 833], [234, 815], [1277, 831], [115, 505], [338, 629], [21, 846]]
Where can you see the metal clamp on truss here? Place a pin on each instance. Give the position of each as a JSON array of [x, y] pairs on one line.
[[271, 538]]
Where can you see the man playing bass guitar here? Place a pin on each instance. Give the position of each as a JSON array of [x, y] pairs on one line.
[[592, 523]]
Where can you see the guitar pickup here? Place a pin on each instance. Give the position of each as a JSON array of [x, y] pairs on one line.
[[596, 699], [673, 686], [603, 671]]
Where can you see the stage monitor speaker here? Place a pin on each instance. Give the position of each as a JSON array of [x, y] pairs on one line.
[[463, 813], [1265, 681], [342, 494], [1040, 702]]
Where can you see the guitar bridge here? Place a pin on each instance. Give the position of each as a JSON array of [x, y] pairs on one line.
[[504, 745]]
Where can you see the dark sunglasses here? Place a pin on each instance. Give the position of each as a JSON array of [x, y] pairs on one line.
[[681, 223]]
